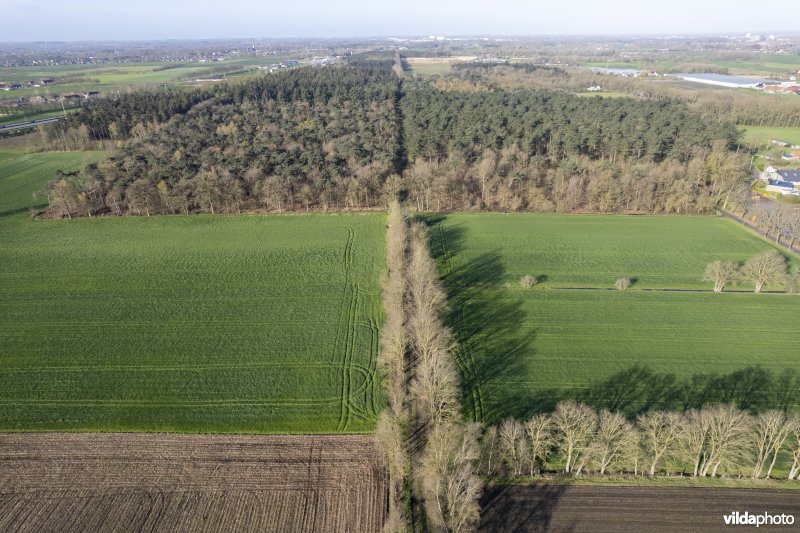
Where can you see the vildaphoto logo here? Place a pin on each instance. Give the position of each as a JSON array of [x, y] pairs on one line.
[[764, 519]]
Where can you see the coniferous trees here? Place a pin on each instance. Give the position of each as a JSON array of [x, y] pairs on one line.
[[354, 136]]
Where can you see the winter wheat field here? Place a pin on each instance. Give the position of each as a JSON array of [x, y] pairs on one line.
[[236, 324], [666, 342]]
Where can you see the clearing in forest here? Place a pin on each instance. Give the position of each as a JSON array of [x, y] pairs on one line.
[[175, 323]]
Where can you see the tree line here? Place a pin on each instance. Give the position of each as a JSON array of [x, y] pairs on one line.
[[355, 136], [715, 440], [430, 452]]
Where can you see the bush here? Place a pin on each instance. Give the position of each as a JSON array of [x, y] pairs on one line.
[[527, 281], [622, 284]]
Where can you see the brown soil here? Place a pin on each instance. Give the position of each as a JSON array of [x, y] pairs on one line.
[[158, 482], [545, 507]]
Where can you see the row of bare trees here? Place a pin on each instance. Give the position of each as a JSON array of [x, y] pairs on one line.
[[766, 268], [447, 479], [431, 454], [715, 440], [392, 431], [778, 221]]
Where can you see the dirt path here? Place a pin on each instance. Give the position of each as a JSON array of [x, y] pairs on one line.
[[635, 509], [159, 482]]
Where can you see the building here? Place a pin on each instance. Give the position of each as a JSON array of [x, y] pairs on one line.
[[782, 187], [723, 80]]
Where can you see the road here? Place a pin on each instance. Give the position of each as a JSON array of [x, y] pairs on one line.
[[547, 507], [29, 124]]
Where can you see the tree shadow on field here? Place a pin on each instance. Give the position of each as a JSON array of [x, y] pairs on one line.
[[639, 389], [486, 319], [519, 507], [496, 350]]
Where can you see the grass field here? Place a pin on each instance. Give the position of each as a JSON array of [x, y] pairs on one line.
[[200, 323], [122, 77], [35, 115], [522, 350], [761, 135]]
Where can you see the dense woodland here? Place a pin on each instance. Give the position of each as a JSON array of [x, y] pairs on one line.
[[355, 136]]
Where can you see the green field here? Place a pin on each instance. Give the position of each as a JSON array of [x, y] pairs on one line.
[[431, 69], [30, 116], [199, 323], [124, 76], [762, 135], [522, 350]]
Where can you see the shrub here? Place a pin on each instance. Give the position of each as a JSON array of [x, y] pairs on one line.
[[527, 281], [622, 284]]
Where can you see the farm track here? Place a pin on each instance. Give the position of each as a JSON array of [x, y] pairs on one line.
[[611, 509], [163, 482]]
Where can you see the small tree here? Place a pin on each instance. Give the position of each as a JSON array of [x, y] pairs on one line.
[[764, 269], [720, 273], [623, 284], [527, 281]]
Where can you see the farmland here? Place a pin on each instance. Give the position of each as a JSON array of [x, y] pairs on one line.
[[124, 77], [522, 350], [762, 135], [202, 323], [157, 482], [553, 507]]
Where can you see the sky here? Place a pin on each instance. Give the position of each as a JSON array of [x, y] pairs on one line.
[[75, 20]]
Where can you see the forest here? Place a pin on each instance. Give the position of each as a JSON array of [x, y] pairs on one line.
[[355, 136]]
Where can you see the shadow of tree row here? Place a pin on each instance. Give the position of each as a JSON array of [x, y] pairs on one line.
[[638, 389], [495, 347], [484, 318]]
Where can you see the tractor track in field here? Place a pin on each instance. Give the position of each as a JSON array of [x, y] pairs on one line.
[[346, 332]]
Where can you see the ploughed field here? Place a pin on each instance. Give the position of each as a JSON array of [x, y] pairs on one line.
[[199, 323], [668, 342], [545, 507], [158, 482]]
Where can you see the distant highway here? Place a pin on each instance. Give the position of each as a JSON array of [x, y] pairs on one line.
[[29, 124]]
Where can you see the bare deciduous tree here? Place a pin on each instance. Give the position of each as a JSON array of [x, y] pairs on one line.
[[720, 273], [794, 447], [613, 440], [769, 434], [764, 269], [512, 445], [390, 436], [539, 431], [449, 483], [727, 437], [489, 451], [693, 436], [658, 432], [574, 423], [622, 284]]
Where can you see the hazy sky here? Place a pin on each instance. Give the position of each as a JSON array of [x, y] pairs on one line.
[[40, 20]]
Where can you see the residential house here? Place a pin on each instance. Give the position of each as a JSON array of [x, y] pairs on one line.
[[782, 187]]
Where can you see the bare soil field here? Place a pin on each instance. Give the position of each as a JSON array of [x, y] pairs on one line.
[[161, 482], [618, 509]]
